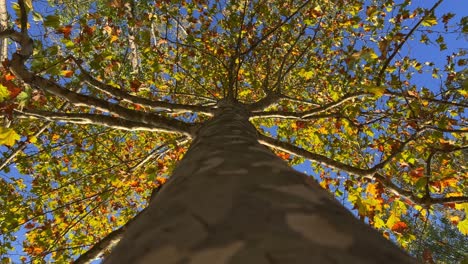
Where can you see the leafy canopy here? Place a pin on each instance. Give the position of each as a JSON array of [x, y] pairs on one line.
[[341, 83]]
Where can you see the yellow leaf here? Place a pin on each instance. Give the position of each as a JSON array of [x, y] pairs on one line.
[[32, 139], [245, 92], [454, 219], [67, 73], [463, 92], [392, 220], [429, 21], [376, 90], [4, 93], [378, 222], [306, 74], [373, 55], [113, 38], [371, 188], [463, 226], [55, 137], [324, 184], [8, 136]]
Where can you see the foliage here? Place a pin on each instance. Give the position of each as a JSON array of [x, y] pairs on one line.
[[337, 82], [440, 242]]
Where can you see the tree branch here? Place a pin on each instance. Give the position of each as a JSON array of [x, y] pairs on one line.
[[253, 46], [179, 141], [397, 49], [118, 93], [400, 149], [24, 144], [310, 113], [387, 92], [321, 159], [161, 124], [425, 200], [270, 99], [292, 115], [102, 245], [461, 131], [111, 239], [18, 68], [365, 173]]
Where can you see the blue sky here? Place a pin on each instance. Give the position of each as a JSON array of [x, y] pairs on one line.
[[426, 53]]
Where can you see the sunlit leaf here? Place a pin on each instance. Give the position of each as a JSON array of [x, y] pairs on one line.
[[8, 136]]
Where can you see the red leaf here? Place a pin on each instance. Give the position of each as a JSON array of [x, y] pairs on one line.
[[427, 256], [417, 173], [29, 225], [134, 85], [14, 91], [300, 124]]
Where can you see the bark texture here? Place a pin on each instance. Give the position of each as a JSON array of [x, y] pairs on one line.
[[3, 26], [231, 200]]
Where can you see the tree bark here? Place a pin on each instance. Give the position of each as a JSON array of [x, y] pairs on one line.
[[3, 26], [231, 200]]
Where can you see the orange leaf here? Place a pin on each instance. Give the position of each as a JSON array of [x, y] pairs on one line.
[[283, 155], [134, 184], [37, 251], [454, 219], [399, 227], [9, 77], [89, 30], [65, 30], [161, 180], [386, 235], [113, 218], [67, 73]]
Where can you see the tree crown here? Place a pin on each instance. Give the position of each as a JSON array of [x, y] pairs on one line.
[[118, 88]]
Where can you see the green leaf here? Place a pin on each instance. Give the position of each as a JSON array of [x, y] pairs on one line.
[[4, 93], [376, 90], [36, 16], [429, 21], [16, 8], [421, 183], [52, 21], [8, 136], [28, 4]]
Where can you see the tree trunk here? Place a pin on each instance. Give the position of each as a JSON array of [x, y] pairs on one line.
[[231, 200]]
